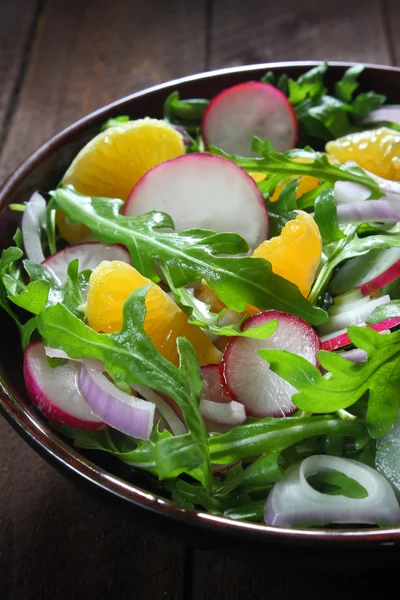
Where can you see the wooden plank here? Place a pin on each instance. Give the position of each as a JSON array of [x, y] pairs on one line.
[[391, 11], [253, 31], [16, 20], [88, 54], [57, 541]]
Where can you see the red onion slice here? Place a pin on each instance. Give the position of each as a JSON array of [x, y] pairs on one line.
[[230, 413], [293, 502], [33, 220], [128, 414], [347, 192], [367, 212]]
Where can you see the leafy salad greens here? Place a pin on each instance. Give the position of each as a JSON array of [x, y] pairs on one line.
[[341, 401]]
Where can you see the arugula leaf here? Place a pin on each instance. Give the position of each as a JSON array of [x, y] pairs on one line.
[[130, 356], [114, 122], [262, 473], [390, 310], [284, 166], [287, 198], [262, 436], [189, 110], [348, 247], [337, 484], [345, 88], [249, 512], [347, 382], [326, 217], [188, 255], [201, 315], [308, 85]]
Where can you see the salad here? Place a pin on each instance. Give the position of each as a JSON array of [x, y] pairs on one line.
[[213, 299]]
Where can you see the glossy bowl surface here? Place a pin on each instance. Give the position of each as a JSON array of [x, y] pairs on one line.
[[110, 479]]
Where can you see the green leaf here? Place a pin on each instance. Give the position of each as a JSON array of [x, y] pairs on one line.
[[201, 315], [310, 84], [34, 297], [345, 88], [367, 102], [130, 356], [9, 256], [189, 110], [337, 484], [188, 255], [263, 472], [114, 122], [349, 247], [262, 436], [249, 512], [348, 381], [326, 217], [271, 162], [390, 310], [287, 198]]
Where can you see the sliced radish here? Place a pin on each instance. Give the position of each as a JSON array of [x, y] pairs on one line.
[[249, 109], [384, 113], [89, 254], [369, 272], [249, 378], [352, 309], [213, 388], [203, 191], [55, 391], [336, 340]]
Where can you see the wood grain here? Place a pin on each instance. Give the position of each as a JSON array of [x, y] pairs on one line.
[[88, 54], [16, 20], [58, 542], [253, 31], [391, 11]]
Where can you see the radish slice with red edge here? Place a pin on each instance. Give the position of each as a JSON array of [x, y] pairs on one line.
[[293, 502], [33, 221], [349, 309], [369, 272], [122, 411], [213, 388], [54, 391], [203, 191], [337, 339], [249, 109], [89, 255], [249, 378]]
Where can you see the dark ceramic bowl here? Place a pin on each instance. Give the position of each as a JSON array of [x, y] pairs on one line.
[[118, 484]]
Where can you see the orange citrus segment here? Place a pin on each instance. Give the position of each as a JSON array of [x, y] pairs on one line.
[[114, 161], [110, 285], [377, 150], [295, 254]]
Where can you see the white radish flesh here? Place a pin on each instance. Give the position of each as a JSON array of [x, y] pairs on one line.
[[54, 391], [203, 191], [249, 109], [248, 376], [89, 255]]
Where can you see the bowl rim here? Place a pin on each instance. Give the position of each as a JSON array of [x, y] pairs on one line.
[[46, 442]]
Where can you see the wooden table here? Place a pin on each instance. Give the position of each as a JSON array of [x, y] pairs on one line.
[[59, 60]]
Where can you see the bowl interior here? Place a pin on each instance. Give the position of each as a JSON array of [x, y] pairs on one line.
[[118, 483]]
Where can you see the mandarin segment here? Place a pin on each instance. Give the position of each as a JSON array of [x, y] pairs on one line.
[[114, 161], [110, 285], [377, 150], [296, 253]]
